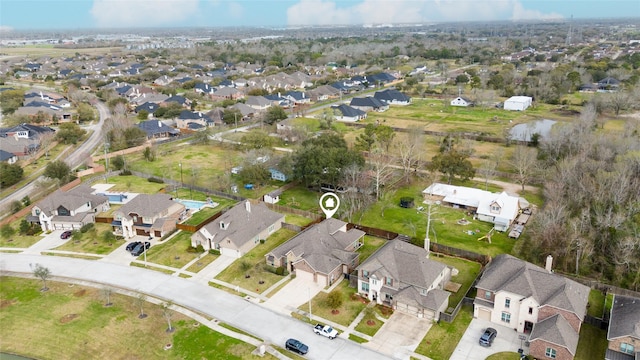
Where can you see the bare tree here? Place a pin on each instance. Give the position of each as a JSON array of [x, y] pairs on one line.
[[380, 169], [410, 150], [356, 197], [524, 163], [167, 313], [106, 293], [43, 274], [140, 301]]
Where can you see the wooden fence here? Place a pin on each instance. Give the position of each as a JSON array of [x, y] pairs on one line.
[[194, 228], [286, 209], [383, 234]]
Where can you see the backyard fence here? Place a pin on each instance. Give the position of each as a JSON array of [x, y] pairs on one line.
[[286, 209], [465, 254], [597, 322], [450, 317], [194, 228], [383, 234]]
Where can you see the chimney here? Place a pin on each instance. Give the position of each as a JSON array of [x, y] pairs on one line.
[[159, 123], [549, 264], [247, 206]]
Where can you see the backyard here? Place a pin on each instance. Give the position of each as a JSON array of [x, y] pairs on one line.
[[251, 272], [93, 331], [467, 273]]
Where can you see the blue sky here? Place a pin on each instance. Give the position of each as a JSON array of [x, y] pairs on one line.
[[81, 14]]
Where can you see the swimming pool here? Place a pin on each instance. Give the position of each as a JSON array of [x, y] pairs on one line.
[[192, 204]]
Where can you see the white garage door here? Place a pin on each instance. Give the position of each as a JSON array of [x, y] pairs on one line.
[[484, 314], [304, 275], [408, 309], [229, 252]]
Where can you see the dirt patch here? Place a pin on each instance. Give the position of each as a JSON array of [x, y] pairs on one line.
[[566, 112], [335, 311], [371, 322], [452, 286], [80, 293], [6, 303], [68, 318]]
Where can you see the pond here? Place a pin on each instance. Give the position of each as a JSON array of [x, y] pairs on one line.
[[524, 131]]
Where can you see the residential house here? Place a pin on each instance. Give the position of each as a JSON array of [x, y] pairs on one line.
[[238, 230], [8, 157], [321, 253], [380, 79], [157, 129], [346, 113], [227, 93], [258, 102], [203, 88], [392, 97], [187, 119], [608, 84], [153, 215], [500, 209], [183, 101], [24, 139], [149, 107], [368, 103], [278, 175], [297, 97], [324, 92], [401, 275], [535, 301], [461, 101], [68, 210], [624, 329]]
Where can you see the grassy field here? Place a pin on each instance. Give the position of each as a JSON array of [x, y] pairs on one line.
[[299, 197], [346, 313], [595, 306], [444, 227], [443, 337], [592, 343], [130, 183], [71, 322], [254, 265], [371, 244], [467, 273], [19, 241], [172, 252]]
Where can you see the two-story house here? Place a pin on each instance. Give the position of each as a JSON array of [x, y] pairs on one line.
[[148, 215], [624, 329], [238, 230], [321, 253], [69, 210], [401, 275], [535, 301]]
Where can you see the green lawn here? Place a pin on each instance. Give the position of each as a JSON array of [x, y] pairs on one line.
[[172, 252], [369, 324], [92, 242], [388, 214], [254, 264], [467, 273], [443, 337], [297, 220], [130, 183], [347, 312], [30, 320], [592, 343], [595, 307], [299, 197], [505, 355], [202, 215], [202, 262], [371, 244], [17, 240]]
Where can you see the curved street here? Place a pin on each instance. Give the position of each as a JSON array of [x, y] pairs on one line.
[[247, 316]]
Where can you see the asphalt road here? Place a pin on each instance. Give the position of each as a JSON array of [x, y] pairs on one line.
[[247, 316]]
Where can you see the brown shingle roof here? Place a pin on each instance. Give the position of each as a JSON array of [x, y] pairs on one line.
[[556, 330]]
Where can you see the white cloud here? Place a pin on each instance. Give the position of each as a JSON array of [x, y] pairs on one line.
[[4, 28], [142, 13], [329, 12]]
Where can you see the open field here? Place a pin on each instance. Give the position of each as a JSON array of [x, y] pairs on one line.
[[42, 50], [254, 265], [93, 331]]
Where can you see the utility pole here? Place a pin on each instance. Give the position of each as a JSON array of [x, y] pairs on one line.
[[106, 161], [427, 241], [181, 180]]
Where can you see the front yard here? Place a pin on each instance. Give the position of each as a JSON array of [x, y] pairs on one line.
[[92, 242], [172, 252], [443, 337], [352, 305], [251, 272]]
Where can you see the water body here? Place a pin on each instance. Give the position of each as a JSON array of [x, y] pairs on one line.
[[524, 131]]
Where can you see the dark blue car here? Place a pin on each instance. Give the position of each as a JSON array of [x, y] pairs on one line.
[[296, 346]]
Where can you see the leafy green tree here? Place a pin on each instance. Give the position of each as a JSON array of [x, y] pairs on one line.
[[108, 236], [149, 154], [274, 114], [134, 136], [59, 170], [118, 162], [202, 137], [69, 133], [254, 174], [16, 206], [365, 141], [10, 174], [11, 100], [462, 79], [7, 231], [257, 139], [231, 116], [86, 113], [26, 201], [334, 299], [384, 136], [453, 163], [24, 227], [323, 159], [43, 274], [143, 115]]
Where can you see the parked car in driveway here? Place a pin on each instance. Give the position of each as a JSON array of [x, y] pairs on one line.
[[132, 245], [296, 346], [66, 234], [488, 336], [139, 249]]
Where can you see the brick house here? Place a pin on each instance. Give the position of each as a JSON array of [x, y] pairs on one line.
[[624, 329], [535, 301], [148, 215]]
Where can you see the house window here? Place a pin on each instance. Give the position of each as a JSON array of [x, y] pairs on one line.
[[37, 212], [550, 352], [374, 282], [389, 281], [365, 273], [626, 348], [271, 228], [487, 295], [506, 317], [530, 311], [507, 303], [365, 287], [388, 297]]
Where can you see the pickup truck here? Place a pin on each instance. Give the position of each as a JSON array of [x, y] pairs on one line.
[[325, 330]]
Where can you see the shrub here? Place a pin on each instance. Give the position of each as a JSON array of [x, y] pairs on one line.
[[16, 206], [108, 235], [24, 227], [86, 227], [214, 252], [334, 299], [245, 265], [280, 270], [262, 241], [191, 249], [200, 248], [125, 172], [6, 231], [155, 180]]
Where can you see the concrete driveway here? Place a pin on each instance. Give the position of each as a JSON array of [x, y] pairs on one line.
[[122, 256], [400, 335], [48, 241], [295, 293], [468, 347]]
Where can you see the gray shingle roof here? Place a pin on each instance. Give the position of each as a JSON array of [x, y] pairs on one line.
[[242, 225], [70, 200], [625, 317], [508, 273], [322, 245], [434, 299], [147, 205], [404, 262], [556, 330]]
